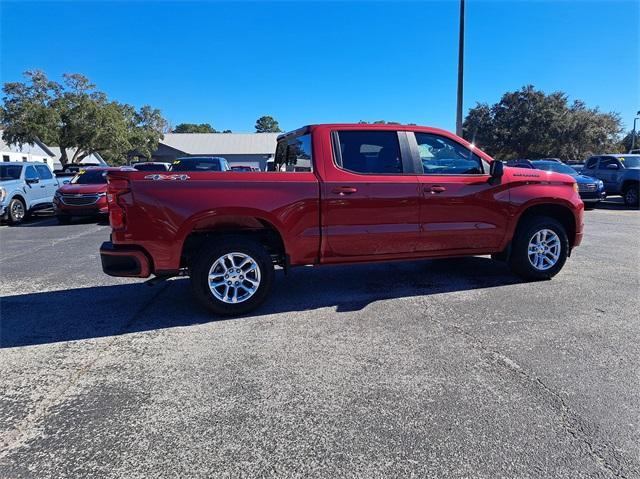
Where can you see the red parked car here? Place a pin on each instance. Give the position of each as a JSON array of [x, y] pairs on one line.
[[340, 193], [84, 195]]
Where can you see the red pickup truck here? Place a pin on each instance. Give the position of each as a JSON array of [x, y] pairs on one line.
[[340, 193]]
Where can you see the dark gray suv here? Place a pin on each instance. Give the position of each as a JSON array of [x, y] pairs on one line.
[[620, 174]]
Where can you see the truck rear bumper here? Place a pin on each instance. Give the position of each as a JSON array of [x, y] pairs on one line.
[[124, 261]]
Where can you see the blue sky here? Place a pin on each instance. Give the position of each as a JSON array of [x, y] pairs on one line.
[[227, 63]]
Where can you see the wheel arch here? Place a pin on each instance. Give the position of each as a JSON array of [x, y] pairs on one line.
[[559, 212], [208, 228], [20, 197], [627, 182]]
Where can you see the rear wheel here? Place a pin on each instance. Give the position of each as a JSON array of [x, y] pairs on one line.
[[232, 276], [630, 195], [17, 211], [540, 248]]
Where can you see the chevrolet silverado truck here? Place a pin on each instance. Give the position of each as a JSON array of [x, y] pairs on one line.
[[340, 193]]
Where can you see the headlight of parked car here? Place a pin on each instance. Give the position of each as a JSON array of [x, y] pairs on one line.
[[600, 184], [100, 195], [3, 194]]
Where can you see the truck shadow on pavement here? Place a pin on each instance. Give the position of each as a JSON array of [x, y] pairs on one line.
[[96, 312]]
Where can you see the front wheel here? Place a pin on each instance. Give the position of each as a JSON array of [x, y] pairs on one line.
[[232, 276], [540, 248], [17, 211], [630, 196]]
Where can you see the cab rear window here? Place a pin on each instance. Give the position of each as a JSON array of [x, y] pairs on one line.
[[294, 154]]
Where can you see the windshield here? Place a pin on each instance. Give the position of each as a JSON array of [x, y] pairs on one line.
[[10, 172], [554, 166], [630, 161], [197, 164], [90, 177], [150, 167]]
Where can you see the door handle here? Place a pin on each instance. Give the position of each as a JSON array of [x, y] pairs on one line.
[[435, 189], [43, 186], [344, 190]]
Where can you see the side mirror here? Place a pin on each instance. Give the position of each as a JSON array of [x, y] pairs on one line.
[[32, 180], [496, 170], [613, 166]]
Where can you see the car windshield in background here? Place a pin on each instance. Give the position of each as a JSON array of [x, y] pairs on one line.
[[554, 166], [90, 177], [630, 161], [197, 164], [10, 172], [150, 167]]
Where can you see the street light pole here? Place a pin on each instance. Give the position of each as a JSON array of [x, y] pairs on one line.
[[460, 71], [633, 135]]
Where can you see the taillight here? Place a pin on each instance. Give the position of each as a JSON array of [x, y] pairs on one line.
[[116, 188]]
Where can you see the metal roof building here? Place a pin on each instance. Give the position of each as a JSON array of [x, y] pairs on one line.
[[251, 149]]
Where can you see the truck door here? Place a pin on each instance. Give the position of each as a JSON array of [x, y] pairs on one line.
[[34, 189], [459, 209], [48, 183], [370, 202], [609, 170]]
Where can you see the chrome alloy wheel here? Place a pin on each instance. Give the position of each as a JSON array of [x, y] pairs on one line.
[[544, 249], [17, 210], [234, 278]]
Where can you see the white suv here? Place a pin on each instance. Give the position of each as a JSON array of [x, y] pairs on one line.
[[25, 187]]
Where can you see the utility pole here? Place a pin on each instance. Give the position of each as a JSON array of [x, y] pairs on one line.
[[460, 71], [633, 135]]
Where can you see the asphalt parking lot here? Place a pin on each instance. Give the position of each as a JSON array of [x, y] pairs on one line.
[[449, 368]]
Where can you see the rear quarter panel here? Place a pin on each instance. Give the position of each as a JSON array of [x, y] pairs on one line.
[[162, 213]]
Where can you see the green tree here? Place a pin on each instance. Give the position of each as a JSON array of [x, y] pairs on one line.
[[528, 123], [194, 128], [74, 115], [267, 124]]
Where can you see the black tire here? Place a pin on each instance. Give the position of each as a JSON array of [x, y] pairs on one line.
[[630, 196], [519, 259], [63, 219], [16, 211], [207, 257], [502, 256]]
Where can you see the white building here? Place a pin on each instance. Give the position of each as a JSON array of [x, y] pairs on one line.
[[250, 149], [92, 159], [38, 151]]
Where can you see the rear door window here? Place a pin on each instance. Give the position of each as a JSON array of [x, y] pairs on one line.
[[369, 152]]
